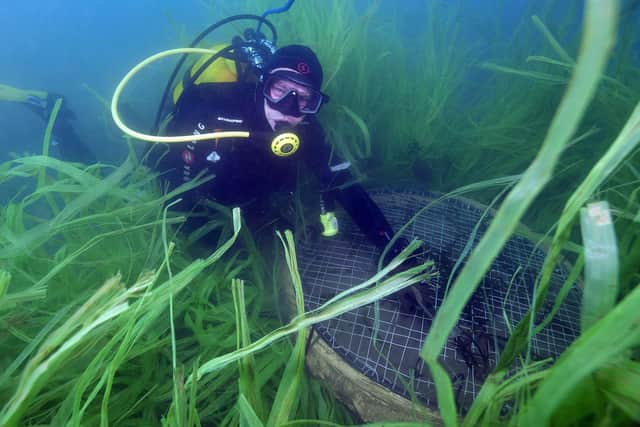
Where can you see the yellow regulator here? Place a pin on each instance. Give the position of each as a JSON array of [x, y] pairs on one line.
[[285, 144]]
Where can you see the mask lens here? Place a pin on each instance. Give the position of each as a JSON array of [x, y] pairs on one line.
[[278, 89], [310, 103]]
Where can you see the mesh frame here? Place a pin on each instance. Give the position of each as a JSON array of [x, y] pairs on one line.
[[390, 357]]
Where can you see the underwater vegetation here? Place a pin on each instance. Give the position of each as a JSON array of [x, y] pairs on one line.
[[110, 315]]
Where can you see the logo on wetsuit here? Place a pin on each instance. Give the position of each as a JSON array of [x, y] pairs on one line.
[[188, 157]]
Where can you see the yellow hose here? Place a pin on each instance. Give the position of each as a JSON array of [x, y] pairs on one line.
[[165, 139]]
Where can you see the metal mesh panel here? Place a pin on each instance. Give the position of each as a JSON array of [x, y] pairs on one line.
[[392, 358]]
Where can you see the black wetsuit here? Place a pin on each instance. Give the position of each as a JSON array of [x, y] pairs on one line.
[[246, 170], [65, 138]]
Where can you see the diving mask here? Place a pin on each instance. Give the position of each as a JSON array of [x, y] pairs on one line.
[[289, 93]]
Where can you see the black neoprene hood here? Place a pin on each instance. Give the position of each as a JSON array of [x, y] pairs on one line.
[[300, 59]]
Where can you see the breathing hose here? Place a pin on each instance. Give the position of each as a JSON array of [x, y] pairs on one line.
[[184, 51], [273, 11], [197, 40], [165, 139]]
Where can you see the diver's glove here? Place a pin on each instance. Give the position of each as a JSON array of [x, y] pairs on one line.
[[329, 224], [328, 218], [43, 105]]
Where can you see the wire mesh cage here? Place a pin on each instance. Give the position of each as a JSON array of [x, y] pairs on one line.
[[386, 350]]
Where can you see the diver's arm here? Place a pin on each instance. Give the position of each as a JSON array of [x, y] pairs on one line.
[[71, 147], [338, 183], [13, 94]]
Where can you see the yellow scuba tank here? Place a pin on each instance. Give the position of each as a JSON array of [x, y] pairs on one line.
[[222, 70]]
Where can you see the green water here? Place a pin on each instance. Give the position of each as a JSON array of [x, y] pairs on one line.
[[86, 337]]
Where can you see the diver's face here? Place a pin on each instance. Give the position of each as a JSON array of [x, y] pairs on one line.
[[274, 117], [281, 90]]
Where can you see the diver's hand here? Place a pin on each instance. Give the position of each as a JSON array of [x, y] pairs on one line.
[[43, 105], [411, 299]]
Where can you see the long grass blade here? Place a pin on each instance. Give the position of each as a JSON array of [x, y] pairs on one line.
[[609, 338], [596, 44], [248, 417], [45, 151], [287, 397], [339, 306], [620, 382], [557, 47], [622, 147], [39, 234], [601, 263], [246, 366]]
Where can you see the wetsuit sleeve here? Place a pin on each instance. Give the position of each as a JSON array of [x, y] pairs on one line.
[[337, 183], [71, 146]]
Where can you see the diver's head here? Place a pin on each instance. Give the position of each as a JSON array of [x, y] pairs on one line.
[[291, 87]]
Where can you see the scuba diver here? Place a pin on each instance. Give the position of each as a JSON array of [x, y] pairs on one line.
[[279, 110], [243, 119], [65, 139]]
